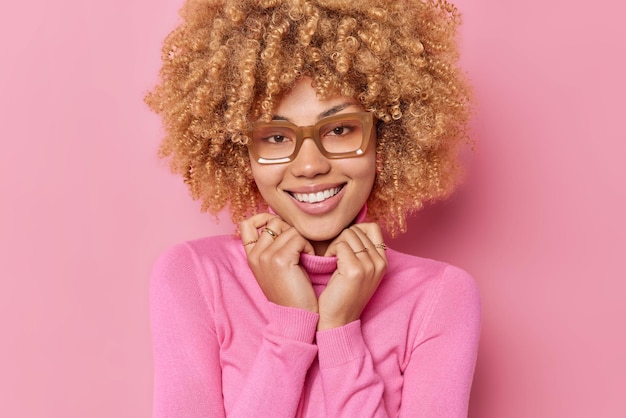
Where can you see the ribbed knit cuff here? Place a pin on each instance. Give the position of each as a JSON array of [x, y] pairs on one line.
[[292, 323], [340, 345]]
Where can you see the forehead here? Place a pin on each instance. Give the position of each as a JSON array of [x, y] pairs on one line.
[[301, 105]]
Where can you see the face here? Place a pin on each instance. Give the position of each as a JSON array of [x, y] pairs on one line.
[[318, 196]]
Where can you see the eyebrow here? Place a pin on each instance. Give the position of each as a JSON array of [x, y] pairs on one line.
[[329, 112]]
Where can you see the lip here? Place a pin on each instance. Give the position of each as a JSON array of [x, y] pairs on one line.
[[317, 208]]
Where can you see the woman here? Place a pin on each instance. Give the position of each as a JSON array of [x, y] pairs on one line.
[[316, 123]]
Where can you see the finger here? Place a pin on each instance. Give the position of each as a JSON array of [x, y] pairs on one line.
[[349, 241], [291, 239], [354, 245], [273, 236], [374, 235], [284, 235], [376, 252], [272, 230], [249, 229], [346, 252]]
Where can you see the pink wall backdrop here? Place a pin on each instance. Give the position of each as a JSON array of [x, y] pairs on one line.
[[86, 206]]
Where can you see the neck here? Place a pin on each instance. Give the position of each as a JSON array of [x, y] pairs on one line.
[[320, 247]]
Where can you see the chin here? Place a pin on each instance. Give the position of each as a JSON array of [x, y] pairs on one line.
[[317, 235]]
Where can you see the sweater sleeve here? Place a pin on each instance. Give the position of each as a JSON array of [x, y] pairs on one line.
[[439, 370], [438, 376], [187, 371], [352, 388], [276, 380]]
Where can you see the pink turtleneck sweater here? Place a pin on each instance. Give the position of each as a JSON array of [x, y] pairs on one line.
[[221, 349]]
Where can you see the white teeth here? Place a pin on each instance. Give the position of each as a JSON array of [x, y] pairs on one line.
[[316, 197]]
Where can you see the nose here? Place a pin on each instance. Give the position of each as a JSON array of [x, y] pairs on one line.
[[309, 162]]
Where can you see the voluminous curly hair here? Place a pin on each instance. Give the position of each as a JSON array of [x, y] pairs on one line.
[[229, 62]]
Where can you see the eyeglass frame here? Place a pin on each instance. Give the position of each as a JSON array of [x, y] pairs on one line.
[[312, 132]]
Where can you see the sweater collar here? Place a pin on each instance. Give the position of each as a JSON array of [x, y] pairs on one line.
[[318, 266]]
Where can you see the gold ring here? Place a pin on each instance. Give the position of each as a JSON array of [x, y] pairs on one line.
[[250, 242], [364, 250], [273, 234], [382, 246]]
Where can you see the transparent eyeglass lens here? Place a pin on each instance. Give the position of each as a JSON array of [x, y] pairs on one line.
[[341, 136], [274, 142]]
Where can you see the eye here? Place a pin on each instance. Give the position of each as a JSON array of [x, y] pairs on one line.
[[276, 139], [340, 130]]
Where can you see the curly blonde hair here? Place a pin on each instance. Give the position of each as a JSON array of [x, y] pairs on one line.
[[229, 62]]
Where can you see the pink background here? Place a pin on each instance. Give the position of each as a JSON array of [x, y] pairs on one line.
[[86, 206]]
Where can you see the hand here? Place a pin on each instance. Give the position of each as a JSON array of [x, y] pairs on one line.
[[360, 267], [274, 258]]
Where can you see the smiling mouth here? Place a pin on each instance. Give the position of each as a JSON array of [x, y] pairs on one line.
[[316, 197]]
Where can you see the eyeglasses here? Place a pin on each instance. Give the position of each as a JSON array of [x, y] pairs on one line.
[[341, 136]]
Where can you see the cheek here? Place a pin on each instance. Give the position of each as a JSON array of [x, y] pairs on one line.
[[266, 177], [364, 168], [368, 175]]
